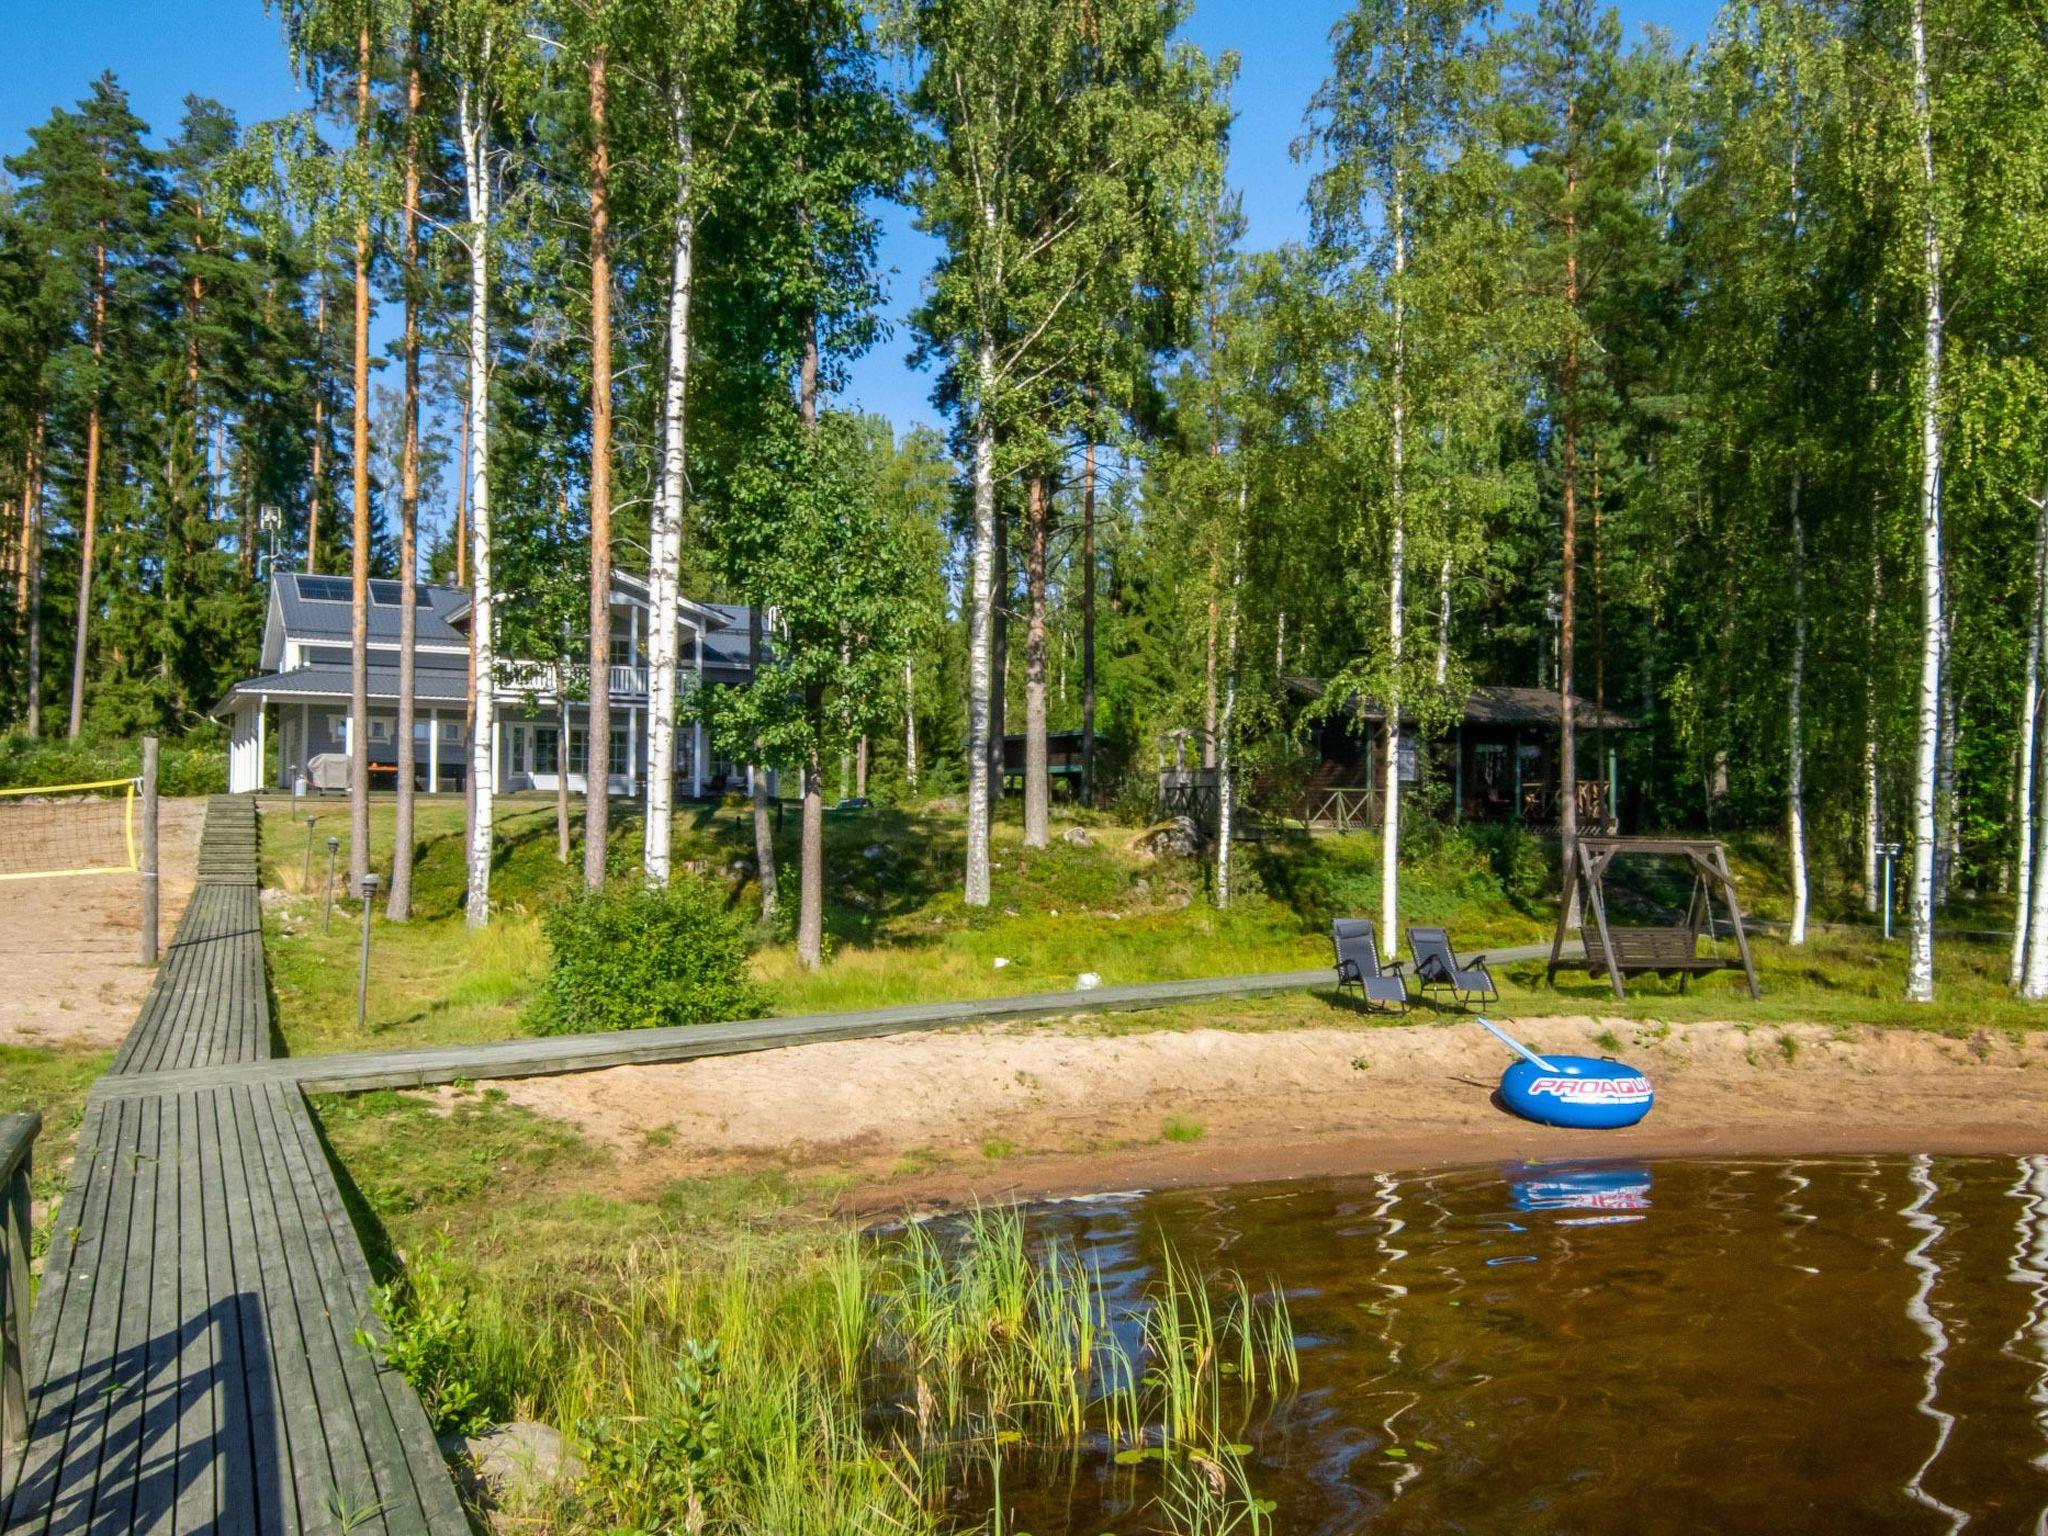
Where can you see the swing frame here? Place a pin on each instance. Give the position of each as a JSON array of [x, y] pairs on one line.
[[1664, 949]]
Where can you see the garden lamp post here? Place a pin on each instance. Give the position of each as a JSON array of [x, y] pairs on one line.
[[306, 877], [327, 917], [370, 883]]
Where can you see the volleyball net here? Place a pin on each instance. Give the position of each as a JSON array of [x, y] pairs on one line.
[[69, 829]]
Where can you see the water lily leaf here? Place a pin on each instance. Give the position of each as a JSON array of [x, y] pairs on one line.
[[1394, 1451], [1009, 1436], [1130, 1458], [1424, 1445]]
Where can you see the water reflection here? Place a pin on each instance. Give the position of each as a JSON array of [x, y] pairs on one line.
[[1847, 1345]]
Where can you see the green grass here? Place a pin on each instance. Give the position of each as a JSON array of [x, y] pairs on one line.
[[55, 1081], [1178, 1128], [727, 1360], [897, 931]]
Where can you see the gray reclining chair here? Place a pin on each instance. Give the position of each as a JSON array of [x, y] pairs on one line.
[[1358, 965], [1437, 968]]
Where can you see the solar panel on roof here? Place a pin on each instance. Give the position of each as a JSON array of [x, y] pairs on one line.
[[388, 594], [324, 589]]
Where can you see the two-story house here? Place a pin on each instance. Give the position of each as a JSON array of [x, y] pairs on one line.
[[290, 727]]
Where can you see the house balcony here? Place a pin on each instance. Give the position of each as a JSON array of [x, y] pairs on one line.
[[547, 679]]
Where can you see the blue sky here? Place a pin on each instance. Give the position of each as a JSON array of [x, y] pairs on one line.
[[230, 49]]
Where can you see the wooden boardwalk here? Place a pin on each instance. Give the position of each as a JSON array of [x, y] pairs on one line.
[[196, 1359]]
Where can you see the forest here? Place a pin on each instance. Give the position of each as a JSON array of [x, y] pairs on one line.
[[1700, 383]]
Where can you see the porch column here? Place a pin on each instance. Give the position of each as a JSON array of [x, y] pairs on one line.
[[632, 747], [306, 742], [433, 751], [262, 757], [697, 711]]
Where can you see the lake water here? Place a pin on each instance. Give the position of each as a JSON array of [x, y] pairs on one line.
[[1813, 1346]]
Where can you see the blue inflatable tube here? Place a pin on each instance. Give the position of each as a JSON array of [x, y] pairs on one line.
[[1581, 1093]]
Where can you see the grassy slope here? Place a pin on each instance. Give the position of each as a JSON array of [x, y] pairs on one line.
[[897, 930]]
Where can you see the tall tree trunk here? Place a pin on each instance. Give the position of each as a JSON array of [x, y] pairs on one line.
[[810, 897], [1037, 785], [810, 905], [1872, 810], [31, 487], [1567, 636], [32, 583], [2030, 720], [909, 724], [999, 662], [1088, 622], [980, 627], [1226, 747], [462, 518], [1795, 788], [359, 555], [665, 560], [597, 751], [764, 830], [92, 491], [1397, 578], [1210, 616], [399, 908], [1920, 958], [317, 470], [1442, 670], [473, 120]]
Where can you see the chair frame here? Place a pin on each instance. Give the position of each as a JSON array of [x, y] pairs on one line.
[[1436, 974], [1351, 974]]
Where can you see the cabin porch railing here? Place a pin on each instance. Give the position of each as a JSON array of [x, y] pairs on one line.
[[17, 1139], [548, 677]]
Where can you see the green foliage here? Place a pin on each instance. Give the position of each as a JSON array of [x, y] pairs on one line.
[[636, 957], [194, 765], [427, 1340], [645, 1468]]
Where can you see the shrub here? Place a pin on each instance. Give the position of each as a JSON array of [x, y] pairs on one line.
[[635, 957], [196, 764]]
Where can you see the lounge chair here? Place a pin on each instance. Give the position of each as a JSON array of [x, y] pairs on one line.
[[1358, 965], [1438, 969]]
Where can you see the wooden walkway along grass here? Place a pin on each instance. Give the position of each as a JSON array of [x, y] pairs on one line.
[[197, 1358]]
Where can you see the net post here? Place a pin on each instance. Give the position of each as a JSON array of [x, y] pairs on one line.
[[146, 860]]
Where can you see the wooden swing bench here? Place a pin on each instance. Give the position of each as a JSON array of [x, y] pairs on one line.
[[1649, 951], [1614, 952]]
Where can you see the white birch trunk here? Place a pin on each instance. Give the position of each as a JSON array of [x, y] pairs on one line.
[[1390, 794], [1920, 958], [2034, 985], [980, 625], [909, 724], [1795, 790], [1443, 622], [1226, 756], [665, 558], [1871, 808], [477, 182], [2030, 709]]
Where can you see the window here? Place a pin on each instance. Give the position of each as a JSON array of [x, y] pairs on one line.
[[576, 752], [618, 758], [325, 589], [380, 729], [622, 643], [451, 733], [545, 742], [337, 727]]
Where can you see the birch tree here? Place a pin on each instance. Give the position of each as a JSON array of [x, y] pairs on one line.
[[1933, 621]]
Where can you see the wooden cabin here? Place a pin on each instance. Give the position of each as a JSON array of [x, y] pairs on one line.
[[1499, 760]]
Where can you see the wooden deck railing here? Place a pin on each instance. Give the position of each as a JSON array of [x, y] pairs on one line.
[[17, 1139]]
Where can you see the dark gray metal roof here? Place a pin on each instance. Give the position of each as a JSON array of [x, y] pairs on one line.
[[1492, 704], [309, 617], [431, 685]]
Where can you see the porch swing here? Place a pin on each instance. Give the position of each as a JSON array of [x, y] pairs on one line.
[[1617, 951]]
